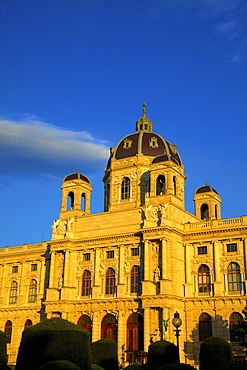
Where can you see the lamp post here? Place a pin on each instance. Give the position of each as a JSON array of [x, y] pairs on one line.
[[177, 322]]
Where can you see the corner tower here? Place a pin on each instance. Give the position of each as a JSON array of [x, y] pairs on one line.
[[143, 169], [207, 203], [76, 193]]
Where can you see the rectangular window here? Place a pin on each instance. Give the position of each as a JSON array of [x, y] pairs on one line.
[[110, 254], [202, 250], [86, 257], [232, 247], [14, 269], [135, 251], [34, 267]]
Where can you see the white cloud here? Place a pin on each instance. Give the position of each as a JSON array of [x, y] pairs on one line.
[[32, 146]]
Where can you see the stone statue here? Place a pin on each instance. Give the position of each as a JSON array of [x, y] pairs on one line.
[[144, 108], [69, 223], [55, 225], [166, 324], [156, 274]]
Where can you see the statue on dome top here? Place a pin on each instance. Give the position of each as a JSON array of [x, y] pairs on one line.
[[144, 109]]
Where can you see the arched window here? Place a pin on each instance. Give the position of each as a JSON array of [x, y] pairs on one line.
[[86, 283], [83, 202], [13, 292], [234, 277], [205, 326], [70, 201], [135, 335], [125, 188], [204, 279], [8, 331], [135, 280], [110, 281], [216, 211], [33, 291], [28, 323], [235, 336], [86, 323], [204, 212], [174, 185], [161, 185], [109, 327]]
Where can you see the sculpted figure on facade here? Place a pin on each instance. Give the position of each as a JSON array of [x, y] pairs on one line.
[[156, 274], [55, 225], [69, 223]]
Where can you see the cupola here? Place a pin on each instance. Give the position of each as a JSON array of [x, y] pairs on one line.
[[76, 193], [207, 203]]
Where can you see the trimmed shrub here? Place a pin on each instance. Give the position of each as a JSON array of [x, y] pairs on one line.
[[104, 354], [59, 365], [236, 366], [179, 366], [52, 340], [150, 367], [3, 348], [4, 366], [135, 367], [162, 352], [215, 354], [96, 367]]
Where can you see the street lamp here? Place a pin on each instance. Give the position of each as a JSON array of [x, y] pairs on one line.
[[177, 322]]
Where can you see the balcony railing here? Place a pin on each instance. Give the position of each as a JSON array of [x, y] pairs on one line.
[[216, 224]]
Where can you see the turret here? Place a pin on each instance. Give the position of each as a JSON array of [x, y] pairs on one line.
[[207, 203]]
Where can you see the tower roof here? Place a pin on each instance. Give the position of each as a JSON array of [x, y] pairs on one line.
[[205, 189], [144, 141], [74, 176]]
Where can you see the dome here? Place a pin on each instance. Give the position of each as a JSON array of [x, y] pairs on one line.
[[74, 176], [205, 189], [147, 143]]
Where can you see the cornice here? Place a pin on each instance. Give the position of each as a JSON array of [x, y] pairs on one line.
[[215, 231]]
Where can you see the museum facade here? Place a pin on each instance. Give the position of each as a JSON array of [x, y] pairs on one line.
[[124, 273]]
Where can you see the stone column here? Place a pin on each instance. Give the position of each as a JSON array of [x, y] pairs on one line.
[[121, 340], [188, 277], [52, 293], [120, 285], [66, 275], [96, 327], [245, 257], [146, 261], [164, 258], [217, 282], [96, 282], [52, 270], [146, 328]]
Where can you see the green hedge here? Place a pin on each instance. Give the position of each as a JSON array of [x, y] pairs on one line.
[[162, 352], [215, 354], [4, 366], [52, 340], [177, 367], [104, 354], [3, 348], [96, 367], [59, 365]]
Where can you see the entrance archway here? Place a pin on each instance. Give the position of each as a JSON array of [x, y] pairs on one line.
[[109, 327], [135, 341]]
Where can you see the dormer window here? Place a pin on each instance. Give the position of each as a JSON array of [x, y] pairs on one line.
[[153, 142], [127, 143]]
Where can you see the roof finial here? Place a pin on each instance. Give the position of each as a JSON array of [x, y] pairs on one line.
[[206, 183], [77, 170], [144, 109]]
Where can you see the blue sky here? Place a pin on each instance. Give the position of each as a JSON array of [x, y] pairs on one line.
[[74, 75]]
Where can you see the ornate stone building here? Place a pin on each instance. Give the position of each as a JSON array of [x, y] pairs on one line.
[[123, 273]]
